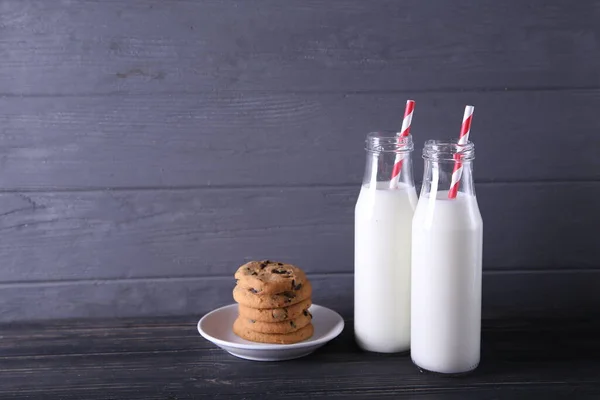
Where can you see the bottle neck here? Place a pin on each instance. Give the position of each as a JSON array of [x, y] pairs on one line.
[[389, 161], [445, 160], [437, 178], [388, 171]]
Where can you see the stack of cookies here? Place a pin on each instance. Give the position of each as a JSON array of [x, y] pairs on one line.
[[273, 302]]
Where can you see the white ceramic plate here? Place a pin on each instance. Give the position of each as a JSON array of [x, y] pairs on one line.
[[216, 327]]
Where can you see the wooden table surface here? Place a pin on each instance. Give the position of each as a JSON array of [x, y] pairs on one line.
[[165, 358]]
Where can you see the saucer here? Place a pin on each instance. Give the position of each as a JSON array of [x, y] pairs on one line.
[[216, 327]]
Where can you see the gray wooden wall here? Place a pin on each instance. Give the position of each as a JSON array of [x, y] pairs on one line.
[[148, 147]]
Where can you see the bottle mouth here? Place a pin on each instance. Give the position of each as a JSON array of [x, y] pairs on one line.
[[388, 142], [448, 150]]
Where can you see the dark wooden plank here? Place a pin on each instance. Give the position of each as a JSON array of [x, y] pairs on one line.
[[143, 297], [539, 225], [186, 389], [100, 336], [175, 392], [224, 139], [532, 294], [163, 233], [155, 46], [191, 233], [22, 339], [515, 363]]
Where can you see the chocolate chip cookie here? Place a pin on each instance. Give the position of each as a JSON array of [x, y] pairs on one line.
[[276, 327], [252, 298], [275, 314], [287, 338], [270, 277]]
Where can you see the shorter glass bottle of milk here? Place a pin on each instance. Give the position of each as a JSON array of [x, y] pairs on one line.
[[382, 244], [447, 240]]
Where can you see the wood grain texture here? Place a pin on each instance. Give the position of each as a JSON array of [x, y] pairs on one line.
[[511, 294], [181, 233], [149, 46], [225, 139], [144, 297], [128, 234], [167, 359]]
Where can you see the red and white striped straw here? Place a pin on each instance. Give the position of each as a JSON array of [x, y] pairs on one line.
[[463, 139], [404, 132]]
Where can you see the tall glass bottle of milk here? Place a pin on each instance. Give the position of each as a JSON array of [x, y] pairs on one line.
[[382, 245], [446, 264]]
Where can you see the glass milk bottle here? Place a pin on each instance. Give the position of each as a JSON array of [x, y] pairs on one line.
[[446, 264], [382, 243]]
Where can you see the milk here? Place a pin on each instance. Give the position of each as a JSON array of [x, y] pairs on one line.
[[382, 267], [447, 240]]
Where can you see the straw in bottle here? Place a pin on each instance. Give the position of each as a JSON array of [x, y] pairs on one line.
[[404, 132], [463, 139]]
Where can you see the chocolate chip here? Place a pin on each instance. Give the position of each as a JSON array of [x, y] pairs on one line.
[[293, 284], [289, 296], [263, 266], [280, 264], [254, 273], [253, 291], [278, 271], [305, 312], [292, 324], [298, 286]]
